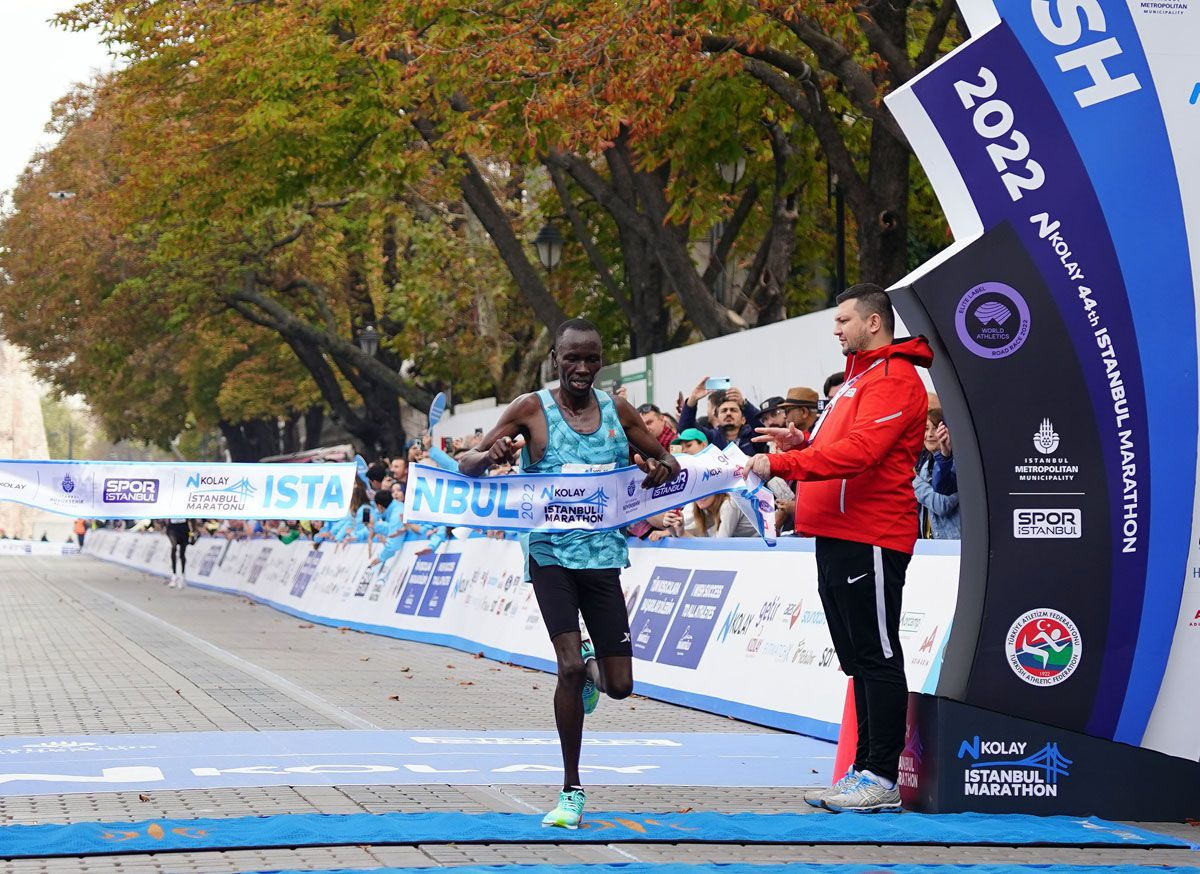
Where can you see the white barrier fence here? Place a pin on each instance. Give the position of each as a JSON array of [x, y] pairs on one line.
[[728, 626], [36, 547]]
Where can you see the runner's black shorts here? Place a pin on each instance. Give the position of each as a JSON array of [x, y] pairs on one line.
[[178, 532], [563, 593]]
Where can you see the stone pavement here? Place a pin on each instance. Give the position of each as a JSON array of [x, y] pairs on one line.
[[90, 648]]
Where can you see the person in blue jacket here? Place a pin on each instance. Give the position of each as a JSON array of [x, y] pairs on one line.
[[936, 484]]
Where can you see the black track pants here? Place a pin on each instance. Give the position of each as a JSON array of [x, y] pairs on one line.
[[861, 588]]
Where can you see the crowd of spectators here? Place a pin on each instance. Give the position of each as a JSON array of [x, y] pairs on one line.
[[703, 418]]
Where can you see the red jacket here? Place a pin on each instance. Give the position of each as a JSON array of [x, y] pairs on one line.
[[856, 473]]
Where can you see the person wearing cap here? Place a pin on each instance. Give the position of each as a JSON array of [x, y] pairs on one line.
[[802, 407], [690, 441], [773, 413]]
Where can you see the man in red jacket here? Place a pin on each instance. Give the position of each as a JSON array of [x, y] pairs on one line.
[[855, 496]]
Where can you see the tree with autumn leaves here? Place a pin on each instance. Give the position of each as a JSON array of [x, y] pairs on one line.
[[262, 180]]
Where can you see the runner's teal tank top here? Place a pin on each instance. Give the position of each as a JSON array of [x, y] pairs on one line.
[[568, 451]]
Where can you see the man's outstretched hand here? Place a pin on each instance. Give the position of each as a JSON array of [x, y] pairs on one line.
[[657, 471], [760, 465], [787, 438]]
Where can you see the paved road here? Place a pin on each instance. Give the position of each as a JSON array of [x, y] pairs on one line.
[[89, 648]]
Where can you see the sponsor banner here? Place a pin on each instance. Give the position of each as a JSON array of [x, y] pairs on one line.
[[1015, 129], [153, 490], [36, 547], [596, 501], [726, 626]]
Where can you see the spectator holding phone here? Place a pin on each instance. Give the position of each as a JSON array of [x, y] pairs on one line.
[[733, 416], [937, 512]]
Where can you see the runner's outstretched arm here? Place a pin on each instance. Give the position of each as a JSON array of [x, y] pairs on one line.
[[504, 441]]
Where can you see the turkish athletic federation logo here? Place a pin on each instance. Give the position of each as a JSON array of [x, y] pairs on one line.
[[1043, 647]]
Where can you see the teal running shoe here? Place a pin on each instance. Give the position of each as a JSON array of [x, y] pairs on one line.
[[569, 812], [591, 695]]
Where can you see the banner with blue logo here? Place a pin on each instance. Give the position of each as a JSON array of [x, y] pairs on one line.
[[1061, 140], [597, 501], [151, 490]]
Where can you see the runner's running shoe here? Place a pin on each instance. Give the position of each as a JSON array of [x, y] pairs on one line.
[[591, 695], [816, 797], [569, 812]]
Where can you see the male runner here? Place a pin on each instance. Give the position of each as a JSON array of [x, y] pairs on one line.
[[179, 532], [575, 429]]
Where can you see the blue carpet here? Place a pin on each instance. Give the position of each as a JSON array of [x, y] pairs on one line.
[[321, 830], [228, 759], [747, 868]]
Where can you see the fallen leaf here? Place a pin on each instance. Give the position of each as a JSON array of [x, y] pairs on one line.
[[409, 677], [535, 687], [365, 659], [306, 625], [479, 655], [451, 667], [393, 697], [344, 628], [405, 670], [466, 683], [143, 797], [685, 810]]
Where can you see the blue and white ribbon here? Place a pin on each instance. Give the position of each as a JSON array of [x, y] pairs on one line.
[[168, 490], [594, 501]]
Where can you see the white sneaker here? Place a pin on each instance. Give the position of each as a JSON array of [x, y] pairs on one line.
[[867, 795]]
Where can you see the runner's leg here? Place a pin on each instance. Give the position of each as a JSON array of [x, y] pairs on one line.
[[568, 704], [558, 600], [603, 607]]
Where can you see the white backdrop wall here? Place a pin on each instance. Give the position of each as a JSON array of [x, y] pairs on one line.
[[728, 626], [762, 362]]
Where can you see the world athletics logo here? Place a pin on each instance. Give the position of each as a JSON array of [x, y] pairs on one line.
[[992, 320]]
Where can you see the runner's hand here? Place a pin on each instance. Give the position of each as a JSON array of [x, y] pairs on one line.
[[785, 438], [506, 449], [657, 471]]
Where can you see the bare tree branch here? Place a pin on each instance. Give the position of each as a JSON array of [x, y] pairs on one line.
[[937, 32], [595, 256]]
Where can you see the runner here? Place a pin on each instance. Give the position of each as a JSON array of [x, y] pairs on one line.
[[576, 428], [179, 532]]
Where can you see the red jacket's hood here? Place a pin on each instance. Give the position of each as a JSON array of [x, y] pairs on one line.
[[915, 349]]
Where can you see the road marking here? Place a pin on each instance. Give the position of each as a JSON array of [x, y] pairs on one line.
[[270, 678]]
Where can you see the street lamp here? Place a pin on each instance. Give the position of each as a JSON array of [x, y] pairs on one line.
[[733, 171], [549, 246], [368, 340]]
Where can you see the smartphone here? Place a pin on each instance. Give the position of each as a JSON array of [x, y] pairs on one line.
[[717, 383]]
